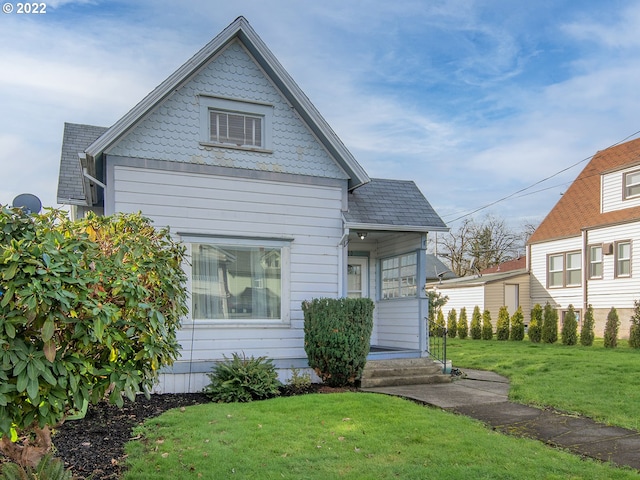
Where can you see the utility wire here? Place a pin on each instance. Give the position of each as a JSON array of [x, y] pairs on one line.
[[511, 195]]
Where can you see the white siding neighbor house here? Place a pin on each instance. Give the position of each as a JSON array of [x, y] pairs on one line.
[[585, 251], [232, 156], [489, 291]]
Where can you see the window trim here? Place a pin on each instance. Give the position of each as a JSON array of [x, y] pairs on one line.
[[592, 263], [240, 107], [626, 187], [617, 273], [565, 270], [238, 241], [399, 278]]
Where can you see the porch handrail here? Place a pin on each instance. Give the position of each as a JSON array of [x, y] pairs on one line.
[[437, 343]]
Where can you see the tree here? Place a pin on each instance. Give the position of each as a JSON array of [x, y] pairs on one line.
[[502, 327], [517, 325], [535, 325], [611, 329], [463, 324], [476, 245], [586, 331], [476, 324], [452, 323], [487, 327], [436, 302], [88, 308], [634, 331], [569, 332], [549, 324]]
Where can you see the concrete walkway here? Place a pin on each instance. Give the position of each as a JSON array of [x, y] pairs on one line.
[[484, 396]]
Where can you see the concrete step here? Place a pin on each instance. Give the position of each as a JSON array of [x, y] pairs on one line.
[[405, 371]]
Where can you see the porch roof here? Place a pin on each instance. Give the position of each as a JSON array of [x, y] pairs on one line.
[[396, 205]]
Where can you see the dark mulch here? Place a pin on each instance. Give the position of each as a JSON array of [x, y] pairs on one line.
[[94, 446]]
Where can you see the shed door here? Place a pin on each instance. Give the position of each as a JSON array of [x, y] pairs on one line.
[[512, 297], [358, 277]]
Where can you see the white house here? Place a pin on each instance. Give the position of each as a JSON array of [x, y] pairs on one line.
[[273, 208], [584, 251]]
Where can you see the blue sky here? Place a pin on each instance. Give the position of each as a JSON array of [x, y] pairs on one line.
[[473, 100]]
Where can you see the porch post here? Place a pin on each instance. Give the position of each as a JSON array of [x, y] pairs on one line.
[[423, 301]]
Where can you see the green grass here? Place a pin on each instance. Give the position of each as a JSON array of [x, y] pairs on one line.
[[598, 382], [342, 435]]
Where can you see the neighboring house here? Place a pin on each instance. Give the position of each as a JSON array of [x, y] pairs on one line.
[[272, 207], [436, 270], [585, 251], [515, 264], [488, 292]]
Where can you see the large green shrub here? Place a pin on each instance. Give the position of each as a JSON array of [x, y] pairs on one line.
[[587, 330], [337, 334], [517, 325], [452, 323], [634, 332], [436, 302], [611, 329], [487, 326], [569, 331], [87, 307], [463, 324], [476, 324], [535, 325], [502, 327], [549, 324], [242, 379]]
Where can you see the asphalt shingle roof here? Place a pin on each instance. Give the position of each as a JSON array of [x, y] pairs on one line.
[[392, 202], [76, 139], [579, 207]]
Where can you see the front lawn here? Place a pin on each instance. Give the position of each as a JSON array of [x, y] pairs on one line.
[[341, 435], [598, 382]]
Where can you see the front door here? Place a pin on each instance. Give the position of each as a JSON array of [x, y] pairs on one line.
[[358, 277]]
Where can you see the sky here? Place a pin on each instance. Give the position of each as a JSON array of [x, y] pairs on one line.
[[492, 107]]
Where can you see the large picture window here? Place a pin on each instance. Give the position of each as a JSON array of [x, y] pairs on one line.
[[236, 282], [399, 276]]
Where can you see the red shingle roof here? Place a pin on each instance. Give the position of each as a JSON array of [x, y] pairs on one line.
[[508, 266], [579, 207]]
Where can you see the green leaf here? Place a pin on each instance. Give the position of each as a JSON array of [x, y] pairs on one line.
[[50, 352], [21, 384], [10, 330], [10, 271], [48, 329]]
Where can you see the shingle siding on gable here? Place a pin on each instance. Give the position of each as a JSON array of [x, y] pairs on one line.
[[172, 131]]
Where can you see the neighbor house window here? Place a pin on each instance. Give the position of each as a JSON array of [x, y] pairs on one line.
[[235, 128], [632, 184], [556, 270], [236, 282], [399, 275], [564, 270], [623, 259], [595, 261]]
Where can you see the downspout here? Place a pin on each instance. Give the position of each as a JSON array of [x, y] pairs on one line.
[[585, 272]]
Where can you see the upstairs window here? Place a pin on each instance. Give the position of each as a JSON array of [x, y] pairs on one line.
[[632, 184], [623, 259], [235, 128], [595, 261], [235, 124], [564, 270], [399, 275]]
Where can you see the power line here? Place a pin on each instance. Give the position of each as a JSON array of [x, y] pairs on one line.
[[511, 195]]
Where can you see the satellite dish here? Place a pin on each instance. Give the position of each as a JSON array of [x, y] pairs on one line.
[[28, 202]]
